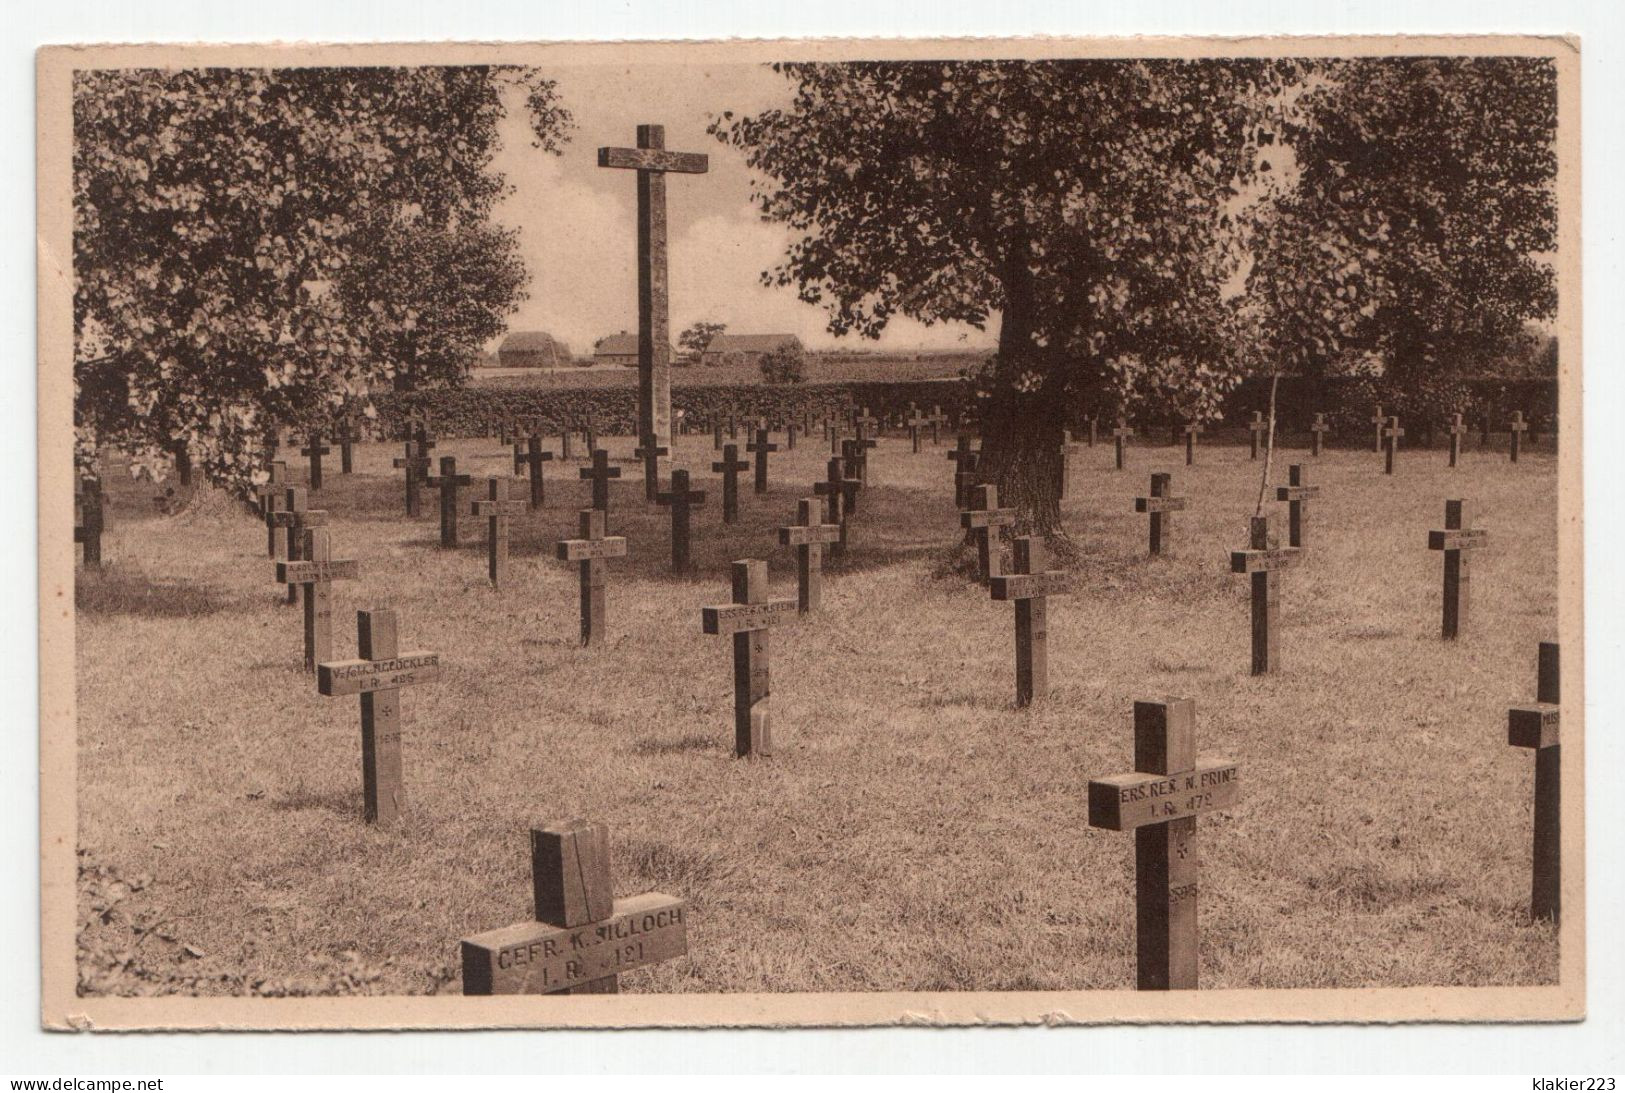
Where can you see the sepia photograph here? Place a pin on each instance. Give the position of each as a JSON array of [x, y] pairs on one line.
[[810, 533]]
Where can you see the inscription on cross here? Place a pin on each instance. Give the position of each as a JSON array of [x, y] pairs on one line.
[[1456, 540], [315, 574], [590, 552], [682, 500], [760, 447], [450, 485], [498, 509], [582, 937], [1160, 506], [729, 466], [1297, 493], [1263, 560], [1029, 587], [600, 472], [378, 675], [808, 536], [749, 619], [982, 520], [1160, 801], [1537, 727]]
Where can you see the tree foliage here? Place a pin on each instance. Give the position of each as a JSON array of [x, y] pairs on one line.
[[252, 246], [786, 363], [697, 338]]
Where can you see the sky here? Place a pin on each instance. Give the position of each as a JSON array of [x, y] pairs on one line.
[[578, 222]]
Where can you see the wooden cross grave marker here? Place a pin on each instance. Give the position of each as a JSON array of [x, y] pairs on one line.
[[314, 573], [564, 443], [590, 552], [808, 536], [294, 518], [315, 449], [650, 454], [1456, 540], [733, 423], [1159, 802], [760, 447], [716, 432], [1256, 428], [1160, 506], [916, 420], [840, 494], [600, 472], [749, 619], [682, 500], [498, 509], [937, 420], [1458, 430], [1378, 420], [964, 459], [533, 459], [857, 450], [1030, 587], [90, 520], [1120, 435], [377, 675], [582, 937], [1317, 434], [981, 520], [1390, 436], [1297, 493], [450, 485], [863, 421], [1515, 429], [272, 496], [790, 436], [417, 467], [1537, 727], [347, 438], [730, 465], [1264, 559], [1190, 431], [589, 430]]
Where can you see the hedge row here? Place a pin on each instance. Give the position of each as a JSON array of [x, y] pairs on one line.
[[1349, 403]]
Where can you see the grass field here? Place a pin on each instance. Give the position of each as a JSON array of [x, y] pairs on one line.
[[899, 369], [915, 830]]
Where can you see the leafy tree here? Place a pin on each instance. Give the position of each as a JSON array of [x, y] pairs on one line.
[[1422, 218], [697, 338], [1091, 204], [233, 238], [784, 364]]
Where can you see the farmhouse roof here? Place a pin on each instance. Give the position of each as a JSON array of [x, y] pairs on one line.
[[622, 344], [750, 343], [532, 341]]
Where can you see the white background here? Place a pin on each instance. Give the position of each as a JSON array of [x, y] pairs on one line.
[[1593, 1047]]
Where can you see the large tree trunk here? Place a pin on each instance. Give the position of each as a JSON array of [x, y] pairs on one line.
[[1021, 424]]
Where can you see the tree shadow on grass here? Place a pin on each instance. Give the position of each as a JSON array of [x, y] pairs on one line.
[[121, 591], [346, 803], [650, 745]]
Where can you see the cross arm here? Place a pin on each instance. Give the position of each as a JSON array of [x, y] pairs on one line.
[[654, 159], [1124, 802], [311, 572], [800, 534], [353, 677], [1026, 586], [1296, 493], [581, 550], [1262, 561], [539, 957], [731, 618], [1458, 539], [1159, 504], [987, 518], [484, 506], [300, 518], [1533, 726]]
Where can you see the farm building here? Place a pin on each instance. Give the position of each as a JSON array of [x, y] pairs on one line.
[[621, 348], [753, 347], [532, 349]]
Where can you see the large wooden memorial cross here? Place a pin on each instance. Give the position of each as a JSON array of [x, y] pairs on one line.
[[1264, 559], [314, 573], [1120, 435], [1537, 726], [840, 494], [650, 454], [981, 520], [682, 500], [964, 459], [1317, 435], [533, 459], [1297, 493], [652, 163], [417, 468], [89, 521], [1378, 420], [1190, 431], [378, 675], [1159, 802], [760, 448], [748, 619], [600, 472], [808, 536], [1515, 430], [315, 449], [1390, 435], [1458, 430], [582, 937], [729, 466], [1160, 507], [498, 509], [916, 420], [1456, 540], [590, 552], [450, 485], [1256, 428], [1030, 587]]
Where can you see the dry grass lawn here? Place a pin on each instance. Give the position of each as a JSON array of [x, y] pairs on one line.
[[915, 830]]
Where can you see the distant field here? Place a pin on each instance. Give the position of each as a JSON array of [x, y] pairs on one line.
[[819, 370]]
